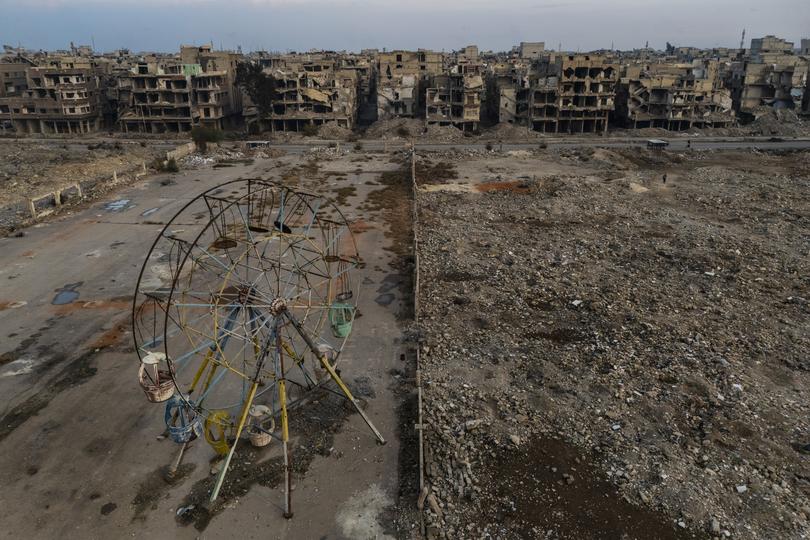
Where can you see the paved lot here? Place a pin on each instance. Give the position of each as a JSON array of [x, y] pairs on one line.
[[79, 439]]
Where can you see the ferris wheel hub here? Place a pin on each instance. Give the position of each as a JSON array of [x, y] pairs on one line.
[[278, 306]]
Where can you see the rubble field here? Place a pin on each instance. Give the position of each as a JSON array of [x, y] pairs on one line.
[[29, 169], [608, 355]]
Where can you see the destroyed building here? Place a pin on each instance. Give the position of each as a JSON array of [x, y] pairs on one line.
[[59, 95], [309, 92], [587, 93], [402, 78], [561, 94], [454, 99], [769, 76], [173, 95], [531, 50], [674, 96], [157, 98], [364, 66], [13, 83]]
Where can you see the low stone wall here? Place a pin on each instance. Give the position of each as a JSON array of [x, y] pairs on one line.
[[181, 151], [22, 212]]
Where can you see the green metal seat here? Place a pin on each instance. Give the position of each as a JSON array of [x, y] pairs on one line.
[[341, 316]]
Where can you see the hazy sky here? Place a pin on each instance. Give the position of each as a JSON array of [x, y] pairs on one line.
[[407, 24]]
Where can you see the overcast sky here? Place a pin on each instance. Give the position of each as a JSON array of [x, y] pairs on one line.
[[405, 24]]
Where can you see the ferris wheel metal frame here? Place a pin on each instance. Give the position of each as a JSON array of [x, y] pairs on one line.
[[210, 276]]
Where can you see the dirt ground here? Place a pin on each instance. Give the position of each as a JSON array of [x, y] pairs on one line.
[[28, 168], [615, 344]]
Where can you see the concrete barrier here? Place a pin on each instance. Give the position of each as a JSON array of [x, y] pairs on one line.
[[420, 426], [186, 149], [42, 205], [181, 151]]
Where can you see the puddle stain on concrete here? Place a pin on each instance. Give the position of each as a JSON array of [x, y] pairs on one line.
[[314, 431], [21, 366], [74, 373], [155, 486], [67, 294], [117, 206], [385, 299], [360, 516], [391, 281], [4, 305]]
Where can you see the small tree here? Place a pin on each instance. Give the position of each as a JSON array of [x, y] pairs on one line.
[[258, 85], [202, 135], [310, 130]]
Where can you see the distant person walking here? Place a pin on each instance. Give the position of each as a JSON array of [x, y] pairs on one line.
[[665, 178], [688, 143]]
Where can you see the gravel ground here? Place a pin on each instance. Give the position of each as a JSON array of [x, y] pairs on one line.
[[607, 355]]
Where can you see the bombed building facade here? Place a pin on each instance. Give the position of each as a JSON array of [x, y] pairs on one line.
[[771, 75], [311, 90], [402, 78], [58, 95], [674, 96], [456, 96], [172, 95], [78, 91], [559, 93]]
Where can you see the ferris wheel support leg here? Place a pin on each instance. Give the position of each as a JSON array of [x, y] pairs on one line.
[[345, 389], [241, 426], [285, 437], [332, 373], [176, 464]]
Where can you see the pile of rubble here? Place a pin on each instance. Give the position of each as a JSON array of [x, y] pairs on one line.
[[510, 132], [328, 152], [331, 130], [779, 122], [657, 333], [197, 161], [395, 128], [438, 133]]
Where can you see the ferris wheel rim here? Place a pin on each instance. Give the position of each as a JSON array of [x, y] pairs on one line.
[[230, 204]]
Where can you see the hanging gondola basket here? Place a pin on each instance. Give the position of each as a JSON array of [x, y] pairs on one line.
[[182, 422], [156, 383], [262, 426], [341, 317]]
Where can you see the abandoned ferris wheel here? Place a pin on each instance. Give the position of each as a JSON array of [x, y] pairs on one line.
[[243, 306]]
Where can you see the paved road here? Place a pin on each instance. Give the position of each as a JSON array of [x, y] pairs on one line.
[[592, 142], [675, 143]]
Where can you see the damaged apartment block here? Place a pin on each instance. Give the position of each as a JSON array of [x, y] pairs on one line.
[[171, 96], [455, 98], [770, 76], [674, 96], [587, 93], [559, 93], [62, 96], [402, 77], [310, 92]]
